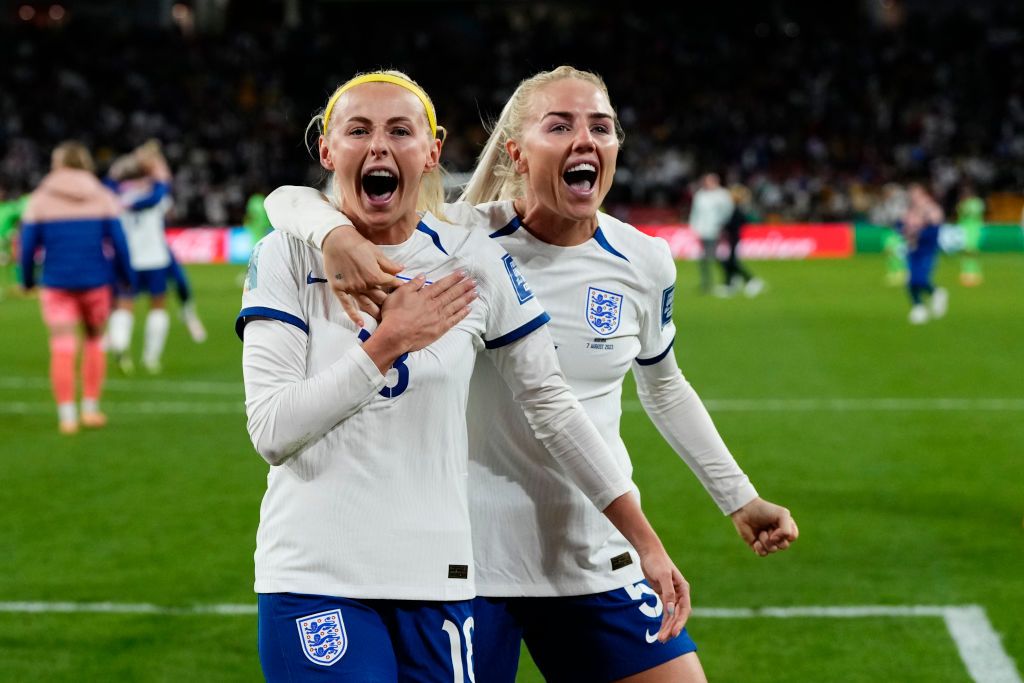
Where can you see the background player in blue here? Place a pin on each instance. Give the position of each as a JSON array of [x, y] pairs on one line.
[[920, 229], [364, 560], [582, 606]]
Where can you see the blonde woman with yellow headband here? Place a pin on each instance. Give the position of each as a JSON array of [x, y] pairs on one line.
[[549, 569], [364, 562]]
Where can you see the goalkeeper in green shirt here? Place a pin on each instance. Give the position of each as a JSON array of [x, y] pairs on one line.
[[970, 216], [10, 220], [256, 221]]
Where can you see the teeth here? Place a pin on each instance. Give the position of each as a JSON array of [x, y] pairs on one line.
[[583, 167], [384, 173]]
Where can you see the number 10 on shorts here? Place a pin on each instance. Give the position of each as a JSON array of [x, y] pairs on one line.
[[460, 673]]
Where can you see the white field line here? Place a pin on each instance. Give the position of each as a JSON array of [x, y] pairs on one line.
[[143, 385], [843, 405], [183, 388], [977, 642], [135, 408]]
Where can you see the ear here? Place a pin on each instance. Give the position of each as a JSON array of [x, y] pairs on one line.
[[515, 152], [325, 154], [434, 156]]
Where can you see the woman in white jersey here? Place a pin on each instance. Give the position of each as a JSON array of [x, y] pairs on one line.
[[583, 610], [364, 563], [142, 180]]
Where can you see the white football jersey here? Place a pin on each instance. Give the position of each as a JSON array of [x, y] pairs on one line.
[[610, 302], [144, 228], [377, 507]]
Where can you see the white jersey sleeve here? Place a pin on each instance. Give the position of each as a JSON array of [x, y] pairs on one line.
[[657, 330], [307, 214], [530, 368], [512, 310], [303, 212], [286, 409], [672, 403]]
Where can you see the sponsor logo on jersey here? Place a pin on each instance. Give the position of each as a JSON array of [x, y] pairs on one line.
[[667, 299], [310, 280], [523, 292], [604, 310], [323, 637]]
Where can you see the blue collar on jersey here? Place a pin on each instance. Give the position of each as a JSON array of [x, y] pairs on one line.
[[435, 238], [599, 237]]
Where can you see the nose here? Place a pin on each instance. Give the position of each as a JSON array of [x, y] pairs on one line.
[[583, 140], [379, 143]]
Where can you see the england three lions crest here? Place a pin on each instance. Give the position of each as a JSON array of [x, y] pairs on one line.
[[323, 637], [604, 310]]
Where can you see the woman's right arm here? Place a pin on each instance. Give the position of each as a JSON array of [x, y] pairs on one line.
[[285, 408]]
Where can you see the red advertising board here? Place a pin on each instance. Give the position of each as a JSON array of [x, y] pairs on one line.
[[198, 245], [758, 242], [765, 242]]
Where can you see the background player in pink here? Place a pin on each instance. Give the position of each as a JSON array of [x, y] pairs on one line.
[[71, 216]]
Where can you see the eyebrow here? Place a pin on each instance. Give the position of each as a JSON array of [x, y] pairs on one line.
[[568, 115], [393, 120]]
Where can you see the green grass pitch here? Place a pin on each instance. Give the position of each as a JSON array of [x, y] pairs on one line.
[[899, 502]]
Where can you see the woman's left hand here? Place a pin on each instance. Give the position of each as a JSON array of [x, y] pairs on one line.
[[765, 526], [668, 582]]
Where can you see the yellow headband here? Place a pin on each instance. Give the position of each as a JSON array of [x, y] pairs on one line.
[[385, 78]]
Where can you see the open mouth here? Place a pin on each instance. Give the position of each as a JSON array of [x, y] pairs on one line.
[[379, 185], [581, 177]]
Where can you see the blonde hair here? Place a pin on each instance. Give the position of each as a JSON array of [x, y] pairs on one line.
[[495, 177], [430, 197], [72, 154]]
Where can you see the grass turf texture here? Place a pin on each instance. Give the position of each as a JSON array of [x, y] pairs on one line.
[[896, 507]]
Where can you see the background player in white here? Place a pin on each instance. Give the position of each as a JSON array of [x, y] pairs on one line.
[[142, 179], [364, 562], [584, 611], [711, 208]]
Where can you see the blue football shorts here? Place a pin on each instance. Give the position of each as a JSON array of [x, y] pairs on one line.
[[152, 282], [593, 638], [322, 638]]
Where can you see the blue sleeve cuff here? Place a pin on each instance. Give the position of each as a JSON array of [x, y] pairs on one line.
[[259, 311], [518, 333], [659, 357]]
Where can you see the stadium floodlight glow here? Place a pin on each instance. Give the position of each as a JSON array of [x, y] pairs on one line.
[[26, 12], [56, 12]]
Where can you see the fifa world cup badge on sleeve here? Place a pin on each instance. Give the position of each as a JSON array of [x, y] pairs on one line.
[[667, 299], [604, 310], [523, 292], [323, 637]]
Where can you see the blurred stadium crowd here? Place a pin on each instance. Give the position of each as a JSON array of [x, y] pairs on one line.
[[814, 111]]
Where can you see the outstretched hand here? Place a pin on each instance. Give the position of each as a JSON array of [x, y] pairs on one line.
[[766, 527], [667, 581]]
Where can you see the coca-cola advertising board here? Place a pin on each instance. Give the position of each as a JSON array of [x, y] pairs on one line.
[[766, 242]]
